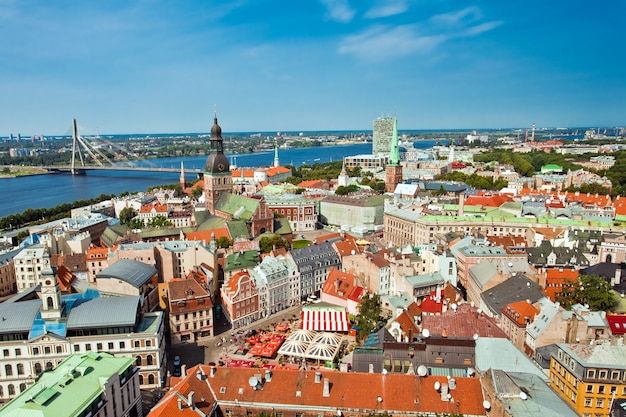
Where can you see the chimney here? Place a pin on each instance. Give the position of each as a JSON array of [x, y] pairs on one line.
[[268, 375], [617, 279], [444, 392], [318, 377], [180, 403], [191, 401], [183, 370], [213, 371], [371, 368], [326, 392]]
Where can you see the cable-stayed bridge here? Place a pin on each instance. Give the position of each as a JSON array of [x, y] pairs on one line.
[[82, 149]]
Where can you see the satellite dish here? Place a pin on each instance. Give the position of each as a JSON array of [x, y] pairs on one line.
[[437, 386], [523, 395], [453, 306], [475, 337], [510, 264], [422, 370], [470, 371], [486, 405], [253, 382], [425, 333], [384, 371], [379, 399]]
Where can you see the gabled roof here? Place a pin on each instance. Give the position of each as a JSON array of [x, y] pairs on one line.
[[237, 206], [521, 312]]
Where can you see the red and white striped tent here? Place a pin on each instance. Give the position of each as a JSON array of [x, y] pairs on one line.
[[325, 320]]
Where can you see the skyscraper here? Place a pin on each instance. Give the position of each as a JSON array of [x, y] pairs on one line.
[[393, 170], [382, 135]]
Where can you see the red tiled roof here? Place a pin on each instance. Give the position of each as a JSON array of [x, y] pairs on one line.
[[339, 284], [493, 200], [620, 206], [463, 323], [352, 393]]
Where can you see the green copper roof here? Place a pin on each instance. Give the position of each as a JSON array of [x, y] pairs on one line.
[[239, 207], [248, 259], [75, 385]]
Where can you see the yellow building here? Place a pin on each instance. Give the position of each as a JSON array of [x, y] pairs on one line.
[[589, 377]]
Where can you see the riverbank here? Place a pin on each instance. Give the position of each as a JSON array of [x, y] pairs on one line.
[[9, 172]]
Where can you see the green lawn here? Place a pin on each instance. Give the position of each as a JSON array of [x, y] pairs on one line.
[[297, 244]]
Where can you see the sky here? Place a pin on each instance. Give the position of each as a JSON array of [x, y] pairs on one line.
[[151, 66]]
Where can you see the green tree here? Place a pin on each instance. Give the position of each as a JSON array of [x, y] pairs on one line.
[[127, 214], [196, 192], [267, 243], [159, 221], [345, 190], [223, 242], [368, 318], [591, 290]]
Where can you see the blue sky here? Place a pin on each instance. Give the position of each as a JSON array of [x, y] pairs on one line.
[[266, 65]]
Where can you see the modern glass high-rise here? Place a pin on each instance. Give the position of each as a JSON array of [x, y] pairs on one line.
[[382, 135]]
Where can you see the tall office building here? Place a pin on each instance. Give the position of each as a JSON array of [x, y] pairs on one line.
[[382, 135], [393, 170]]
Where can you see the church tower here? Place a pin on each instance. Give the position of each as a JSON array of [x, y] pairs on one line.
[[276, 161], [183, 183], [217, 176], [51, 306], [393, 170]]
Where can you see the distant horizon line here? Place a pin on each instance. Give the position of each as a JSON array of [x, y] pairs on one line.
[[305, 132]]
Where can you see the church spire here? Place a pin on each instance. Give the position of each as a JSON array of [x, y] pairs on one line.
[[183, 183], [276, 162]]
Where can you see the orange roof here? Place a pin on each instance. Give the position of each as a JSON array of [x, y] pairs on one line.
[[339, 284], [584, 198], [205, 235], [312, 184], [487, 200], [555, 278], [298, 391], [463, 323], [232, 285], [620, 206], [277, 170], [549, 232], [159, 208], [247, 173], [346, 247], [95, 252], [521, 312], [65, 278]]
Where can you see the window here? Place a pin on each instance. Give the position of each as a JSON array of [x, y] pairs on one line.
[[591, 373], [18, 352], [122, 345], [5, 352], [110, 345], [76, 348], [99, 347], [59, 349], [136, 343], [589, 388], [587, 402], [600, 403], [8, 370], [88, 346], [35, 351], [601, 389]]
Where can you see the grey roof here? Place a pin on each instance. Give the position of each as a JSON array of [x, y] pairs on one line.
[[547, 313], [133, 272], [524, 395], [516, 288], [18, 316], [7, 257], [598, 355], [425, 280], [104, 312], [307, 257], [501, 354]]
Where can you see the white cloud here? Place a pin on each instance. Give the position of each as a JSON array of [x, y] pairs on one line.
[[483, 27], [382, 42], [387, 8], [339, 10], [454, 18]]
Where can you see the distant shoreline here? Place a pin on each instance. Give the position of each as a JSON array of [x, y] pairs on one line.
[[22, 173]]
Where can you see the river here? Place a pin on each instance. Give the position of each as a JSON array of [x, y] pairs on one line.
[[45, 191]]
